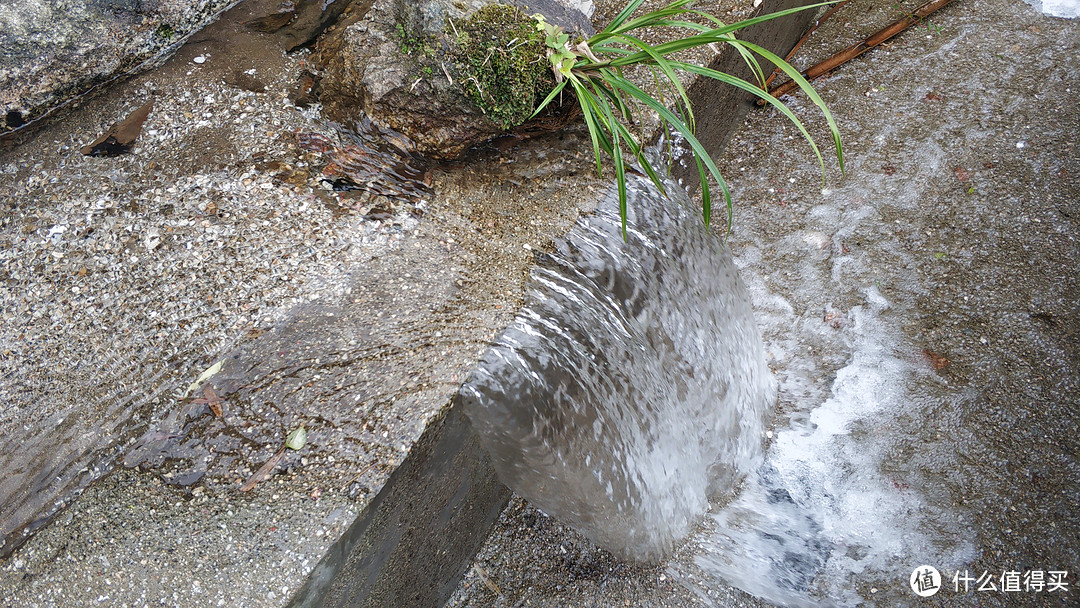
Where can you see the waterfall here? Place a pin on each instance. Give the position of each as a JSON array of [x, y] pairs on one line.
[[632, 385]]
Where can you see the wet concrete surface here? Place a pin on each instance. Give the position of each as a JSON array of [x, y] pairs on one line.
[[217, 241], [957, 223], [54, 52]]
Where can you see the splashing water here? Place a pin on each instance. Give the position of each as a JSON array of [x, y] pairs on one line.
[[1069, 9], [632, 386]]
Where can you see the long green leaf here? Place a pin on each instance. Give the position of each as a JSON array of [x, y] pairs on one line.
[[600, 116], [623, 15], [650, 19], [669, 73], [620, 167], [750, 61], [750, 88], [695, 145], [810, 92], [558, 89], [734, 27], [590, 122], [603, 90], [624, 110]]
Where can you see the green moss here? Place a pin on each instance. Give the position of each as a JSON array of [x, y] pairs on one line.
[[500, 57], [413, 45], [164, 31]]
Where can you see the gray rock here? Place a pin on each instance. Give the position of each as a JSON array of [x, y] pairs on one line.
[[403, 67], [54, 51]]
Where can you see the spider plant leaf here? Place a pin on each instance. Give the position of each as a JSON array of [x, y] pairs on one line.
[[623, 15], [649, 19], [628, 137], [669, 73], [599, 113], [734, 27], [620, 169], [554, 92], [668, 48], [645, 164], [613, 96], [707, 16], [739, 83], [750, 61], [810, 92], [689, 25], [590, 122], [706, 196], [699, 150]]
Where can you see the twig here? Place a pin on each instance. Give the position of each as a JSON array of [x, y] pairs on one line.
[[776, 71], [358, 476], [264, 471], [487, 581], [855, 50]]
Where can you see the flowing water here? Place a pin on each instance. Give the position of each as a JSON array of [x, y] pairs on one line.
[[632, 386], [632, 389]]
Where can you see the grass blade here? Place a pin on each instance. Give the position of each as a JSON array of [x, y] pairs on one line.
[[739, 83], [669, 73], [623, 15], [810, 92], [699, 150], [558, 89]]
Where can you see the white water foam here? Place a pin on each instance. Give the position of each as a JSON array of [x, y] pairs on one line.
[[825, 510], [1069, 9]]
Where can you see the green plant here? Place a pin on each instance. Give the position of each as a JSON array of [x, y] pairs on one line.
[[593, 69], [500, 58]]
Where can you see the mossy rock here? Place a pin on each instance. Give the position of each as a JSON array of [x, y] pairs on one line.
[[447, 74], [500, 57]]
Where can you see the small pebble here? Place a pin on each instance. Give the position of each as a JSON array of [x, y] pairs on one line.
[[199, 60]]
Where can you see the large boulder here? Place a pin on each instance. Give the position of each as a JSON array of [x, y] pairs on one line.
[[447, 74]]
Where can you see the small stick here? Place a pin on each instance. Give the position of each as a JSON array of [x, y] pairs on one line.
[[358, 476], [855, 50], [264, 471], [805, 37]]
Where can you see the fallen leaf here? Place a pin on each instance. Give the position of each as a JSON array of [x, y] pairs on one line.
[[939, 362], [296, 439], [118, 139], [962, 174], [211, 399], [264, 471], [203, 377]]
